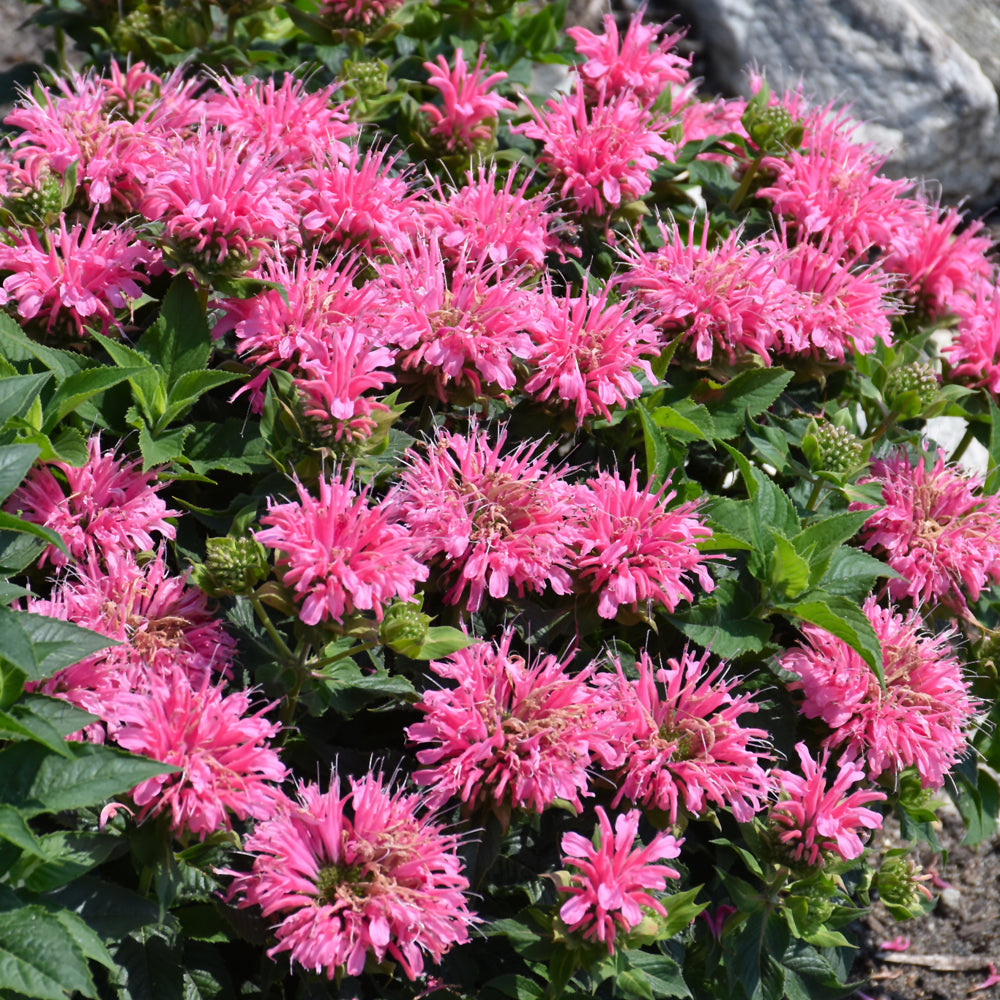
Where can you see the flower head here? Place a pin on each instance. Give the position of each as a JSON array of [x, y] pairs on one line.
[[612, 881], [470, 111], [921, 716], [222, 750], [935, 528], [512, 732], [108, 506], [634, 551], [492, 521], [974, 354], [686, 747], [344, 876], [341, 555], [815, 820]]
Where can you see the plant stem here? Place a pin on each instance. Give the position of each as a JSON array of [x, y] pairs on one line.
[[748, 178], [967, 438], [287, 655]]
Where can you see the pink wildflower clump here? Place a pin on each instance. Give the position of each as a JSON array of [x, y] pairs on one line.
[[611, 887], [221, 749], [816, 821], [511, 732], [469, 115], [361, 13], [935, 528], [601, 155], [920, 718], [589, 350], [490, 521], [340, 554], [636, 64], [345, 877], [504, 224], [973, 355], [73, 276], [634, 551], [721, 300], [461, 328], [685, 746], [108, 506]]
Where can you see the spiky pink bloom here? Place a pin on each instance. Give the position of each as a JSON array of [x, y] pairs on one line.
[[222, 749], [505, 224], [815, 820], [832, 189], [361, 12], [601, 155], [686, 747], [220, 203], [491, 521], [942, 263], [590, 349], [342, 555], [108, 507], [612, 882], [725, 299], [75, 275], [922, 716], [360, 201], [296, 127], [974, 354], [161, 624], [935, 528], [511, 733], [634, 551], [461, 328], [344, 876], [470, 112], [834, 306], [630, 65]]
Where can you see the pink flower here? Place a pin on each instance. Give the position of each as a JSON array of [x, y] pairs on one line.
[[610, 888], [342, 877], [589, 350], [974, 354], [935, 528], [633, 550], [815, 821], [361, 12], [108, 508], [512, 732], [470, 111], [461, 327], [342, 555], [505, 225], [686, 747], [601, 155], [491, 521], [86, 272], [616, 65], [721, 300], [222, 750], [921, 718]]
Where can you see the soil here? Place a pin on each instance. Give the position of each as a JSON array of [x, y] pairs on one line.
[[955, 948]]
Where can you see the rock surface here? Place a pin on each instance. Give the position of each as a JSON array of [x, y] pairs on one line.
[[924, 98]]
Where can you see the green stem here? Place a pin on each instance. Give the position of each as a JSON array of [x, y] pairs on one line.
[[748, 178], [292, 698], [363, 647], [967, 438], [287, 655], [814, 496]]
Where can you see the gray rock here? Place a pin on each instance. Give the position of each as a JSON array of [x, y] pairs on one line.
[[950, 900], [924, 100]]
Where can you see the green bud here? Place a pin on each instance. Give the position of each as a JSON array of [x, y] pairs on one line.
[[834, 449], [911, 389], [404, 628], [368, 78], [900, 883], [771, 126], [233, 566]]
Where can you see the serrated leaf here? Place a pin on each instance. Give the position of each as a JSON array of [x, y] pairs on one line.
[[676, 425], [146, 380], [18, 392], [720, 621], [235, 445], [845, 620], [661, 456], [79, 387], [64, 717], [164, 448], [150, 969], [85, 937], [37, 780], [788, 572], [188, 389], [27, 727], [15, 462], [41, 646], [11, 522], [39, 958], [442, 640], [16, 345], [747, 395], [68, 855], [634, 983], [14, 828], [179, 341], [109, 908], [852, 573], [823, 537], [663, 973]]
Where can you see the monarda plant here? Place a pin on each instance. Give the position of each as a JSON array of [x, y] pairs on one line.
[[466, 539]]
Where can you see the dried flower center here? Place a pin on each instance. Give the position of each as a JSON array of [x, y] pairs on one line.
[[334, 881], [691, 737]]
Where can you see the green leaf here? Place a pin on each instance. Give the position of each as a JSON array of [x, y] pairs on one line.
[[67, 856], [87, 940], [721, 621], [146, 380], [442, 640], [662, 972], [81, 386], [39, 958], [235, 445], [179, 342], [14, 828], [845, 620], [10, 522], [188, 389], [18, 392], [16, 345], [40, 646], [661, 457], [820, 539], [518, 987], [27, 727], [150, 968], [164, 448], [747, 395], [57, 712], [15, 462], [109, 908], [684, 427], [852, 573], [992, 483], [37, 780], [788, 572]]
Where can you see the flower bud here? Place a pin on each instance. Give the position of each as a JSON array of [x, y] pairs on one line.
[[833, 449], [911, 389], [900, 883], [404, 628], [233, 566]]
